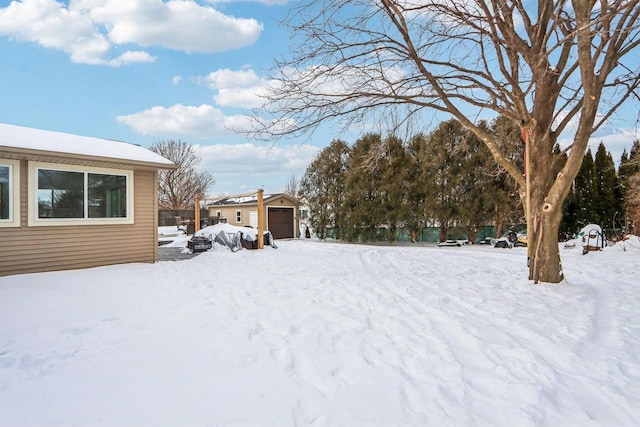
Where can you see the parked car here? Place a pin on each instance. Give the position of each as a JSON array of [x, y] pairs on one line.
[[486, 241]]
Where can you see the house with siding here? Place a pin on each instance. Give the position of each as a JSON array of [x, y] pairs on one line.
[[280, 213], [69, 201]]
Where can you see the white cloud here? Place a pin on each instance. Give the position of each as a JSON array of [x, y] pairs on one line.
[[615, 140], [267, 2], [230, 79], [236, 88], [242, 88], [53, 26], [241, 167], [245, 89], [176, 79], [183, 121], [251, 97], [87, 30], [175, 24], [130, 57]]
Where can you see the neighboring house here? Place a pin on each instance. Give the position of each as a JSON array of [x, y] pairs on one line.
[[280, 213], [69, 201]]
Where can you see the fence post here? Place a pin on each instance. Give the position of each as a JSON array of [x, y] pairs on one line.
[[197, 212], [260, 219]]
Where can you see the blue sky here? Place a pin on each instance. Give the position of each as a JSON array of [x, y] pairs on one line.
[[147, 70]]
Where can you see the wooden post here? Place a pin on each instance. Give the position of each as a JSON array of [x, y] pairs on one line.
[[260, 219], [197, 213]]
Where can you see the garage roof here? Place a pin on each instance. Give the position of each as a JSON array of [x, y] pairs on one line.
[[248, 200]]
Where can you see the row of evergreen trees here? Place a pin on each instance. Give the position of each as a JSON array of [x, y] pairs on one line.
[[603, 195], [446, 179]]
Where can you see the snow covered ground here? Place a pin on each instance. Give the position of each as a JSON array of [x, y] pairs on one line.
[[326, 334]]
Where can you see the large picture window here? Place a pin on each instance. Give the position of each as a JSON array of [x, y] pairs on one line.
[[107, 196], [9, 191], [88, 195], [60, 194]]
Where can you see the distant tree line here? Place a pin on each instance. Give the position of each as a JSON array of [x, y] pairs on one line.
[[604, 195], [448, 179]]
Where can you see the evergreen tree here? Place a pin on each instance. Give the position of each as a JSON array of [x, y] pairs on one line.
[[629, 177], [362, 210], [584, 189], [323, 187], [507, 199], [376, 188], [608, 201], [633, 205], [629, 165], [417, 160], [443, 173], [394, 186], [478, 192]]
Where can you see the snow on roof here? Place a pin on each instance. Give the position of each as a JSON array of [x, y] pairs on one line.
[[19, 137], [239, 200]]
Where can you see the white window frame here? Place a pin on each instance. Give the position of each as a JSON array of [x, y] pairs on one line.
[[35, 221], [238, 216], [14, 193]]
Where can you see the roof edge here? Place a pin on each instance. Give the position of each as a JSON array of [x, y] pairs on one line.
[[87, 157]]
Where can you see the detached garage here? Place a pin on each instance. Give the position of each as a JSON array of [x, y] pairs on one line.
[[69, 201], [281, 213]]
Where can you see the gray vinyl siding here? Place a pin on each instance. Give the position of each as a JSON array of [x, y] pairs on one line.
[[27, 249]]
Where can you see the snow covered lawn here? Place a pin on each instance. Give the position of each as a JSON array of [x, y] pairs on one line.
[[326, 334]]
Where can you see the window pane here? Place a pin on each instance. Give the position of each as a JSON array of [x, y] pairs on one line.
[[60, 194], [107, 196], [4, 192]]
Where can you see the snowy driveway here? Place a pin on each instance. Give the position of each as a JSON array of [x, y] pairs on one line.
[[326, 335]]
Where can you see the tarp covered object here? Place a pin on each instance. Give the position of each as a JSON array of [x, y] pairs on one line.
[[233, 236], [230, 240]]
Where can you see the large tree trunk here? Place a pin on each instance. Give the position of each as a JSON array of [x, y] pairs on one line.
[[499, 227], [543, 219], [442, 236], [472, 231], [544, 262]]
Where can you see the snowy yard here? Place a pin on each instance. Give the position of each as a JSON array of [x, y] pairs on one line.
[[326, 334]]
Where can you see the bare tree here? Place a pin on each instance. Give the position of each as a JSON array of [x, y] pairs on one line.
[[177, 188], [545, 65], [292, 188]]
